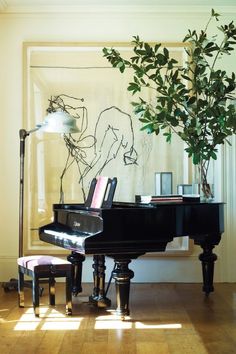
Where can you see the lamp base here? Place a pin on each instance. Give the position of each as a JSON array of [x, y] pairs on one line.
[[12, 285]]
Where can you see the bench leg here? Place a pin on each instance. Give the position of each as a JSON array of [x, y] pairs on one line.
[[20, 288], [35, 294], [68, 295], [52, 291]]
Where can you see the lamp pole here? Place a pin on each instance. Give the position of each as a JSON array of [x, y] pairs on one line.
[[23, 135]]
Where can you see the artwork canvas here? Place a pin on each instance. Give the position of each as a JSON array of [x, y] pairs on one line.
[[60, 168]]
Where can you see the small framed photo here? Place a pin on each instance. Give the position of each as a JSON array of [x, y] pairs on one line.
[[163, 183], [184, 189]]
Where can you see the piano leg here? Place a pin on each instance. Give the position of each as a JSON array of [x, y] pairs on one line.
[[98, 297], [77, 261], [207, 258], [122, 275]]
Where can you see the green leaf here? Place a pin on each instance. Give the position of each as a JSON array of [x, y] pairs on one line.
[[192, 100], [148, 128], [214, 14], [213, 155], [161, 59], [157, 46], [120, 64], [186, 77], [166, 52], [196, 158], [134, 87], [168, 136]]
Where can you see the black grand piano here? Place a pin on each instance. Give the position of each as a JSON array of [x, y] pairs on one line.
[[128, 230]]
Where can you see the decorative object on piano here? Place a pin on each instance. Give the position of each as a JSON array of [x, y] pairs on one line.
[[55, 121], [192, 101], [203, 179], [185, 189], [163, 183]]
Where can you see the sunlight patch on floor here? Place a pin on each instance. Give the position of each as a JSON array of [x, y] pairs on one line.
[[114, 322], [141, 325], [50, 319]]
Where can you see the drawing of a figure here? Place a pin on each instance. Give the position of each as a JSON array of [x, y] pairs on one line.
[[112, 139]]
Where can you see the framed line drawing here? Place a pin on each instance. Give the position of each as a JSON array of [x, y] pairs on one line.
[[109, 142]]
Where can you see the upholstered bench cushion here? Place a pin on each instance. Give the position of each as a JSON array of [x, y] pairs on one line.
[[30, 262]]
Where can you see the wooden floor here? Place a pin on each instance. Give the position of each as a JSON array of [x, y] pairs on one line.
[[165, 319]]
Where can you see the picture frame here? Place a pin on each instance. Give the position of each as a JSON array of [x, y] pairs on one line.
[[184, 189], [79, 70], [163, 183]]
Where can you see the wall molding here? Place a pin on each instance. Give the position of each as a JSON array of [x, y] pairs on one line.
[[229, 193], [129, 9]]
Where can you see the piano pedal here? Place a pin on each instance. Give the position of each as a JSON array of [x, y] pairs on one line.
[[99, 301], [110, 279], [103, 302]]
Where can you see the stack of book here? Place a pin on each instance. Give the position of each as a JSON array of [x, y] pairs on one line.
[[146, 199], [158, 198]]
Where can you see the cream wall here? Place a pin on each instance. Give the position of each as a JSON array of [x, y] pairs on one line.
[[151, 24]]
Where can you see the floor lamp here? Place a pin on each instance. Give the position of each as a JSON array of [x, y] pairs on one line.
[[55, 122]]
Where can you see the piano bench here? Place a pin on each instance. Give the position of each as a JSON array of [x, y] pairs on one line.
[[44, 267]]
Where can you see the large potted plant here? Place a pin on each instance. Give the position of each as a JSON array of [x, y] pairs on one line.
[[193, 101]]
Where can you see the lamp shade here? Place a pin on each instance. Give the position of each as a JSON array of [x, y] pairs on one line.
[[59, 122]]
